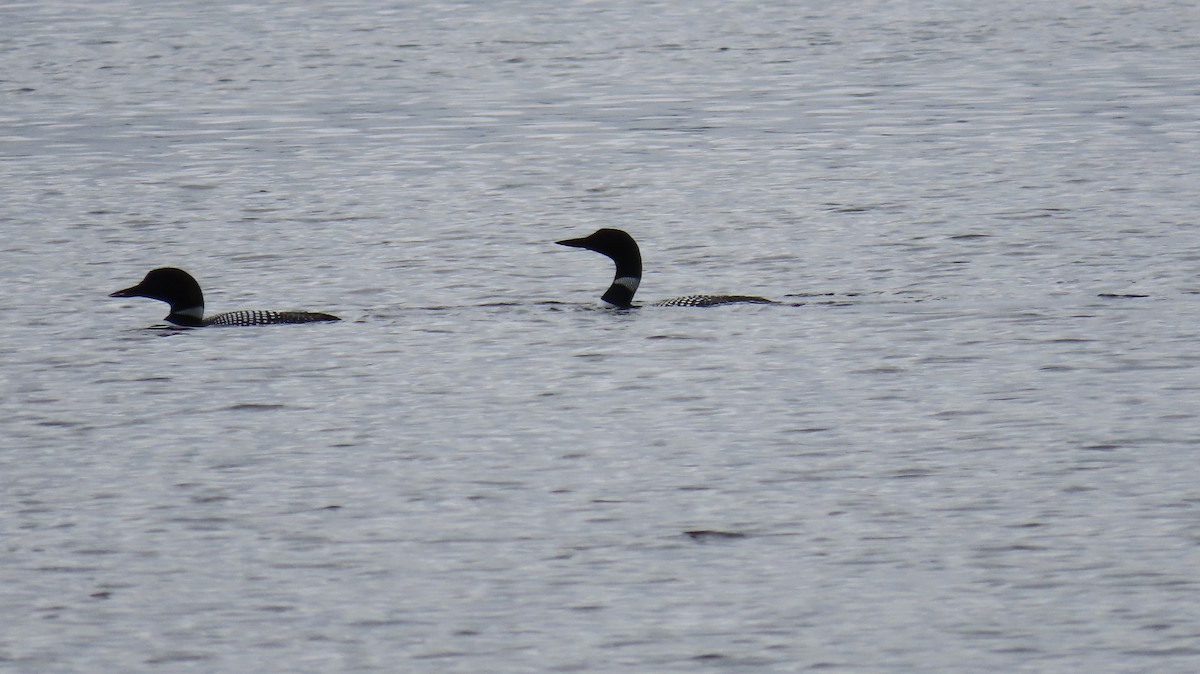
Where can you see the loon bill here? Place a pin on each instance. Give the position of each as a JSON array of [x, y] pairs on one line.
[[178, 289], [624, 251]]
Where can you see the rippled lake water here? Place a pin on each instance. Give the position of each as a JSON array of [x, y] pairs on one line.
[[963, 441]]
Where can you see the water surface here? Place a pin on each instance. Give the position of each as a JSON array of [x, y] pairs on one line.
[[964, 441]]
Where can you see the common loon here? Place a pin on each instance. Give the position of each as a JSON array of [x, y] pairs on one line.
[[177, 288], [623, 250]]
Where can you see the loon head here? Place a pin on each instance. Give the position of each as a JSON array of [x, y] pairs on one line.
[[623, 250], [177, 288]]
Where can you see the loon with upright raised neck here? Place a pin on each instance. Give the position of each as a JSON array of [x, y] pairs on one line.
[[624, 251], [177, 288]]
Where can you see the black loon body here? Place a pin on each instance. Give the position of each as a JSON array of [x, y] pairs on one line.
[[177, 288], [624, 251]]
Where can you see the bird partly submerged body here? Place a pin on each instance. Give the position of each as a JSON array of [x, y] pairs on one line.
[[623, 250], [178, 289]]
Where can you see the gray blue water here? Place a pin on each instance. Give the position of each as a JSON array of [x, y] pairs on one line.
[[965, 441]]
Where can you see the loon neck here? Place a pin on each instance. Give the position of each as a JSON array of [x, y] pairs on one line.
[[620, 293], [628, 258], [629, 264], [192, 317]]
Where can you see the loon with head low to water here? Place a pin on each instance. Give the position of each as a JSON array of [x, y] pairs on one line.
[[177, 288], [624, 251]]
